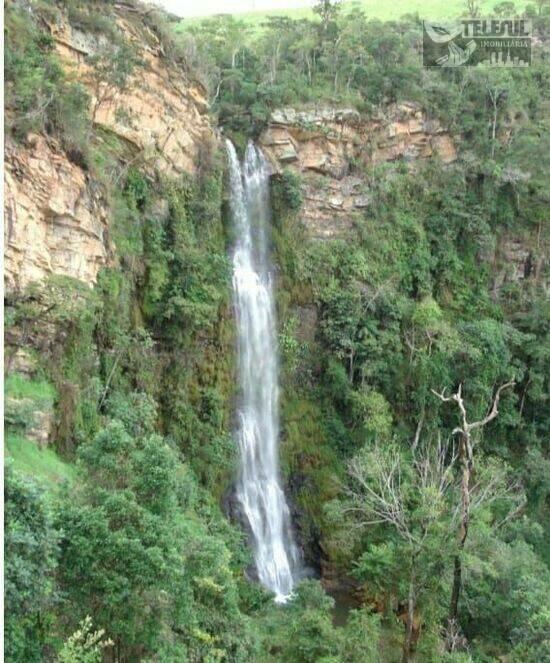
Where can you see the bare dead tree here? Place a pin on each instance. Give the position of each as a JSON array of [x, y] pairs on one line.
[[377, 496], [466, 461]]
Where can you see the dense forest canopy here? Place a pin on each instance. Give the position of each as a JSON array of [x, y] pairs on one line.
[[414, 417]]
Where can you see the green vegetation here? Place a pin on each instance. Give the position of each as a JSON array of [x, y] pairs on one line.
[[84, 645], [404, 309], [383, 11], [304, 632], [30, 548], [117, 544], [20, 386], [39, 97], [43, 465], [131, 498], [24, 397], [344, 56]]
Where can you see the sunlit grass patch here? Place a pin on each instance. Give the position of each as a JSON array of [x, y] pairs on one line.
[[20, 386], [43, 465]]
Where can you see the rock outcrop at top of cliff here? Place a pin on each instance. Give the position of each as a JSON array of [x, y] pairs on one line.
[[56, 215], [161, 112], [322, 144]]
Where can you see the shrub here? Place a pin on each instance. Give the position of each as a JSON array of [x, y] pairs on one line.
[[38, 95], [31, 549], [287, 191]]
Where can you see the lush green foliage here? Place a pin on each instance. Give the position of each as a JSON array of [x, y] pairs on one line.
[[335, 55], [84, 645], [44, 465], [30, 548], [130, 554], [38, 94], [403, 309], [133, 554], [304, 632]]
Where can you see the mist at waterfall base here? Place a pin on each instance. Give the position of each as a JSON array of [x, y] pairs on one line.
[[258, 489]]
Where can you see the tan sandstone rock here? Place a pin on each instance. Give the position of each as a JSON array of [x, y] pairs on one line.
[[56, 218], [55, 223], [323, 143], [161, 113]]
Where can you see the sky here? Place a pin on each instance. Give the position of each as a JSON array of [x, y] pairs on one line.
[[205, 7]]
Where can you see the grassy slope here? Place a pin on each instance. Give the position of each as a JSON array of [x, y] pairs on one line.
[[19, 386], [43, 465], [384, 10]]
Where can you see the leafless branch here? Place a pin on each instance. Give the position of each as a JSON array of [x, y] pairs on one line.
[[418, 431], [494, 409]]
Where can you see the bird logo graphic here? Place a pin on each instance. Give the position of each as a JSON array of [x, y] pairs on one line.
[[444, 42]]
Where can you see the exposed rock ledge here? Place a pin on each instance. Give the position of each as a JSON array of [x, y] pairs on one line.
[[55, 222], [323, 143], [162, 112]]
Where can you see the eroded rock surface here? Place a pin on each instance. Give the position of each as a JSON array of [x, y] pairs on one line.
[[517, 259], [329, 147], [161, 112], [56, 214], [55, 218]]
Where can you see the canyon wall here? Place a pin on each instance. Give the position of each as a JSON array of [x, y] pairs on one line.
[[56, 212], [331, 148], [336, 151], [55, 219]]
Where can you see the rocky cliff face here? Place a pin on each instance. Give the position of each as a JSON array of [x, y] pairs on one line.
[[56, 214], [55, 218], [515, 260], [329, 146], [161, 112]]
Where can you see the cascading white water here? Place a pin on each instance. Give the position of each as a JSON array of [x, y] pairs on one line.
[[258, 488]]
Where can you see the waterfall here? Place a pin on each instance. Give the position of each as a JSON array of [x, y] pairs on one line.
[[258, 489]]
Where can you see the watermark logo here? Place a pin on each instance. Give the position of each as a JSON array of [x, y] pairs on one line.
[[468, 42]]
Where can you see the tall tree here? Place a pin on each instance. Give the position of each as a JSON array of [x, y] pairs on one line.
[[466, 460], [412, 500], [30, 549], [328, 11]]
